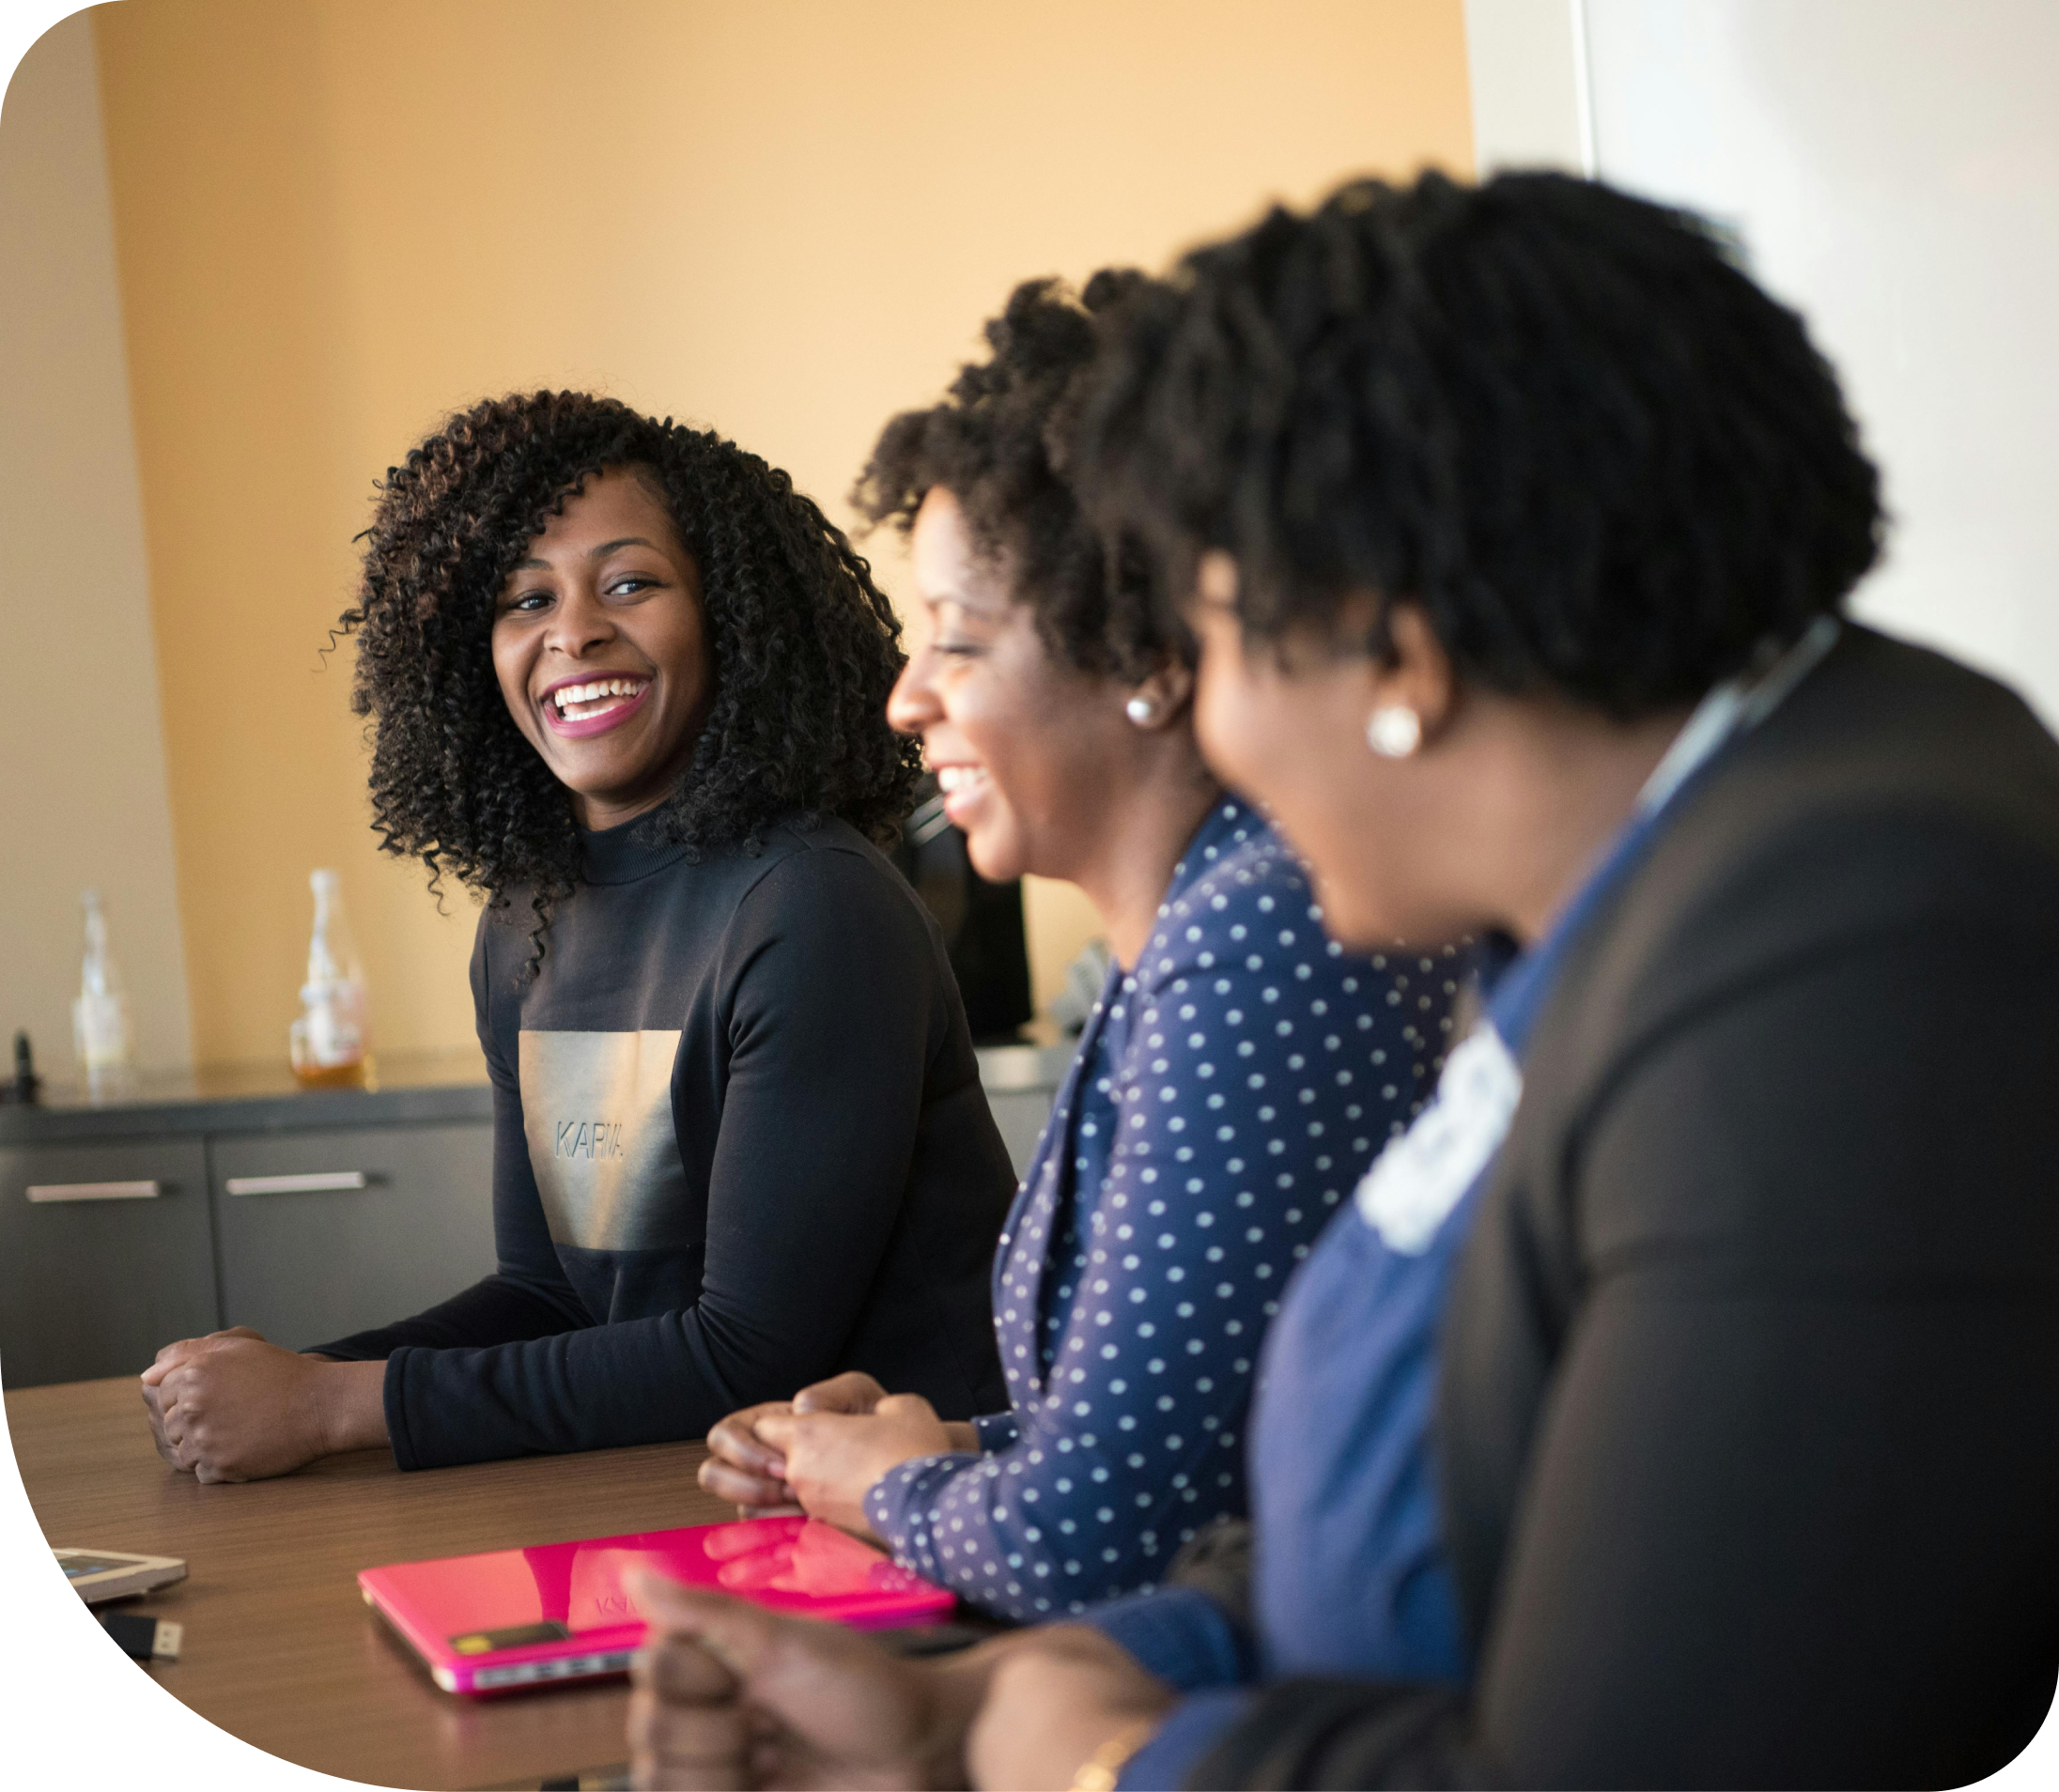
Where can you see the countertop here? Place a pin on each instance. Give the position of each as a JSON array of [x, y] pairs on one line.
[[413, 1088]]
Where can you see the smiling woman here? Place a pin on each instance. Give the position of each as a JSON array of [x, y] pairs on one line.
[[629, 685], [1236, 1075], [600, 644]]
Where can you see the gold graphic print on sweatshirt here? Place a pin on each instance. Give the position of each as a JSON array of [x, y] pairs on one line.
[[597, 1111]]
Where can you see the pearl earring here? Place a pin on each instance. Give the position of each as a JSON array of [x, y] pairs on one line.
[[1141, 711], [1394, 731]]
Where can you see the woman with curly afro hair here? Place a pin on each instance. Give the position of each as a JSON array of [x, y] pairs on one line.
[[1233, 1081], [628, 684]]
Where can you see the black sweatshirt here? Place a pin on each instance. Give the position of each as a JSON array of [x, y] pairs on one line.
[[1748, 1431], [739, 1144]]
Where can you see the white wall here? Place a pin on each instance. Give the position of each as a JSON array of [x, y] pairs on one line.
[[78, 806], [1526, 64], [1894, 169]]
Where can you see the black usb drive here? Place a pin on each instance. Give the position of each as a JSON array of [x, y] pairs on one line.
[[145, 1639]]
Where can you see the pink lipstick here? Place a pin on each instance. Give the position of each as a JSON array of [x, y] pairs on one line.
[[603, 700]]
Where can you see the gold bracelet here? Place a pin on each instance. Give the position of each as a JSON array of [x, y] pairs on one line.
[[1100, 1769]]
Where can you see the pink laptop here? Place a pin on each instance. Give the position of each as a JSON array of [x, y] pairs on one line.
[[520, 1617]]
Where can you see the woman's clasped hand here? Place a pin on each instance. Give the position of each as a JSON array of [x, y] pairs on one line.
[[232, 1407], [728, 1694], [823, 1450]]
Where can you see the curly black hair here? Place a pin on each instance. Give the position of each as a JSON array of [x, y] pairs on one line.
[[994, 443], [1563, 419], [805, 648]]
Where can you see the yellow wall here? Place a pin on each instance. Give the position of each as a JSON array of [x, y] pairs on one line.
[[337, 219], [82, 758]]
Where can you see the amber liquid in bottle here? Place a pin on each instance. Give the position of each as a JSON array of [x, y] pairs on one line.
[[357, 1076], [330, 1046]]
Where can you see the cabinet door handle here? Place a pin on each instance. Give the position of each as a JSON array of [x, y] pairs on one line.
[[95, 1191], [320, 1182]]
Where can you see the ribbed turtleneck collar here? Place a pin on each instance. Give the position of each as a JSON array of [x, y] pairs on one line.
[[622, 853]]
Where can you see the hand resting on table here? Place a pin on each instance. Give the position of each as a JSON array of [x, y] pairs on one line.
[[822, 1450], [232, 1407], [728, 1694]]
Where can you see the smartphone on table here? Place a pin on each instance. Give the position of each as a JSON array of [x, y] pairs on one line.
[[101, 1575]]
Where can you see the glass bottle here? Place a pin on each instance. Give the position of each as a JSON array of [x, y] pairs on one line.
[[103, 1034], [331, 1039]]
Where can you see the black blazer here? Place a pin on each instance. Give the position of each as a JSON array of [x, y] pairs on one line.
[[1748, 1432]]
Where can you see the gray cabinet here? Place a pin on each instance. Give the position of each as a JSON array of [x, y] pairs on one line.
[[1020, 1082], [105, 1257], [94, 1279], [1021, 1114], [304, 1215], [325, 1233]]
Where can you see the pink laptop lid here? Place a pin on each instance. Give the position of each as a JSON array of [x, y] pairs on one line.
[[518, 1618]]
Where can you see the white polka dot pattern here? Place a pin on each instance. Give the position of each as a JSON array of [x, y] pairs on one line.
[[1225, 1097]]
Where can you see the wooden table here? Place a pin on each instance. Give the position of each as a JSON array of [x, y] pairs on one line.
[[280, 1649]]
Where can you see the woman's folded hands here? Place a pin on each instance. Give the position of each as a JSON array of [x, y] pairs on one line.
[[728, 1694], [823, 1450]]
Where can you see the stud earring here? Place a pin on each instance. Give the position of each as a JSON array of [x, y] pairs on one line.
[[1394, 731], [1141, 711]]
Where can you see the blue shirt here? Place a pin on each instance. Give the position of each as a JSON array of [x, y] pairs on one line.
[[1351, 1503], [1224, 1099]]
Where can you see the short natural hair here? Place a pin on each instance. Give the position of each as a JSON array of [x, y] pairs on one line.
[[990, 443], [1561, 418]]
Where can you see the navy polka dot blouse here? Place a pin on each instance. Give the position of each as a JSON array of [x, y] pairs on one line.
[[1225, 1097]]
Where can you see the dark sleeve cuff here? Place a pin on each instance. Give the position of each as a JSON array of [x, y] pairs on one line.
[[1168, 1759], [397, 1433], [1181, 1635], [603, 1387]]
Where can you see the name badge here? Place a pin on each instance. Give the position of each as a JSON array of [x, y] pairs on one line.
[[1416, 1182]]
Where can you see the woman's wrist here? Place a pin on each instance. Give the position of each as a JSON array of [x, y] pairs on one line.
[[957, 1689], [351, 1398], [1101, 1770], [1065, 1706]]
